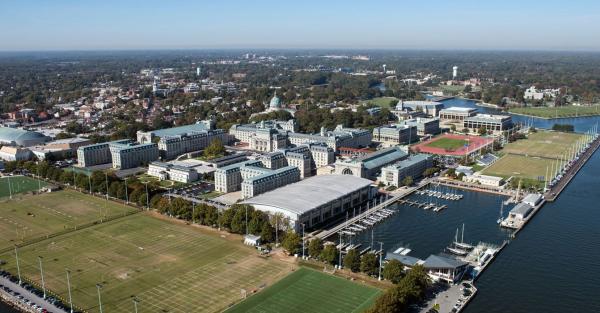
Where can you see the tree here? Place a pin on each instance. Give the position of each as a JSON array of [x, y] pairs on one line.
[[267, 231], [291, 242], [315, 247], [393, 271], [369, 264], [453, 128], [352, 260], [329, 254], [215, 149], [451, 172], [407, 181], [482, 131]]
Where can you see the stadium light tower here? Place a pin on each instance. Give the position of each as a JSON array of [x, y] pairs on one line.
[[69, 287], [42, 274], [380, 256], [302, 241], [18, 267], [135, 303], [98, 287]]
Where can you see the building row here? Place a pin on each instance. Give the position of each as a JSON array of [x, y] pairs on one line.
[[252, 178], [123, 154]]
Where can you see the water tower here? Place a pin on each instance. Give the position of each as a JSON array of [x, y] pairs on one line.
[[454, 72]]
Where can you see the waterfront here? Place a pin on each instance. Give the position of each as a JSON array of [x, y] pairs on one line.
[[5, 308]]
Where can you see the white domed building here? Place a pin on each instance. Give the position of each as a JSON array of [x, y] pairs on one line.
[[275, 103]]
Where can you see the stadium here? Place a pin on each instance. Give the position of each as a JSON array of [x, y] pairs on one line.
[[454, 145]]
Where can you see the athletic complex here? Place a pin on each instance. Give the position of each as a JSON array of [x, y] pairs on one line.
[[454, 145]]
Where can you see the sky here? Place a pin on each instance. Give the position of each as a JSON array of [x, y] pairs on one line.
[[324, 24]]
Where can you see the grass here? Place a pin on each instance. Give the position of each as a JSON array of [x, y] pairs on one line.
[[307, 290], [545, 144], [33, 216], [448, 143], [19, 184], [384, 102], [168, 266], [554, 112], [145, 178], [519, 166]]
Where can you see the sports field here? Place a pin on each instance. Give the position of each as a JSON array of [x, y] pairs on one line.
[[307, 290], [519, 166], [168, 266], [554, 112], [18, 184], [453, 144], [448, 143], [384, 102], [33, 216], [545, 144]]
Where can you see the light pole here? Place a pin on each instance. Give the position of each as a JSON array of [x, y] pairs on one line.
[[302, 241], [126, 192], [9, 188], [90, 183], [69, 286], [380, 254], [135, 302], [276, 231], [42, 273], [18, 268], [147, 204], [106, 183], [193, 212], [246, 220], [98, 286]]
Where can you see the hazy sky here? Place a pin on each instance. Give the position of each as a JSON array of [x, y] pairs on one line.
[[399, 24]]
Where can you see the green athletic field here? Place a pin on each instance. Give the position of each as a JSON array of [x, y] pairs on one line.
[[448, 143], [307, 290], [169, 266], [519, 166], [554, 112], [31, 216], [18, 184], [545, 144]]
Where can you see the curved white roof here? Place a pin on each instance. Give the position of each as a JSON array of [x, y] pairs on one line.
[[310, 193]]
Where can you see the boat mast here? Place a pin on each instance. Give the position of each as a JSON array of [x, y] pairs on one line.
[[462, 237]]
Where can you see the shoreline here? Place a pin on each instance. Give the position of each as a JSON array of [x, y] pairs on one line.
[[554, 118]]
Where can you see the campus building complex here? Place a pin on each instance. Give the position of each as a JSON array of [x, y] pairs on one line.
[[457, 113], [252, 179], [132, 154], [176, 141], [428, 107], [96, 154], [316, 200], [413, 167], [167, 171], [425, 126], [370, 165], [490, 122], [392, 135]]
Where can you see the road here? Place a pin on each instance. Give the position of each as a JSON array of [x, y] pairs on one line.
[[28, 295]]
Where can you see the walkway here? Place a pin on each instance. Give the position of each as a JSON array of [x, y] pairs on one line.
[[28, 295]]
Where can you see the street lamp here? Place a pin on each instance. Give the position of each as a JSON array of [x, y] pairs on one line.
[[69, 286], [42, 273], [18, 268], [135, 303], [98, 286], [147, 204], [380, 257], [302, 241]]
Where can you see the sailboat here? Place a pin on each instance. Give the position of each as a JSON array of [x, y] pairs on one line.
[[455, 249], [501, 218], [462, 243]]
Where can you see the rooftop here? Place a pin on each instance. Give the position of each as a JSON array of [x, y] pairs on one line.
[[459, 109], [310, 193], [176, 131], [438, 261], [488, 118]]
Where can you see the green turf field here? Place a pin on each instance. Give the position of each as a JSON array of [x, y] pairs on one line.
[[168, 266], [545, 144], [384, 102], [32, 216], [554, 112], [18, 184], [519, 166], [448, 143], [307, 290]]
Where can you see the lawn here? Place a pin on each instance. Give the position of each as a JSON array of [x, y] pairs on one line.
[[167, 265], [448, 143], [34, 216], [555, 112], [307, 290], [519, 166], [384, 102], [19, 184], [545, 144]]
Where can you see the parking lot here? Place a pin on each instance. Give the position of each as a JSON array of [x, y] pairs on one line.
[[29, 296], [200, 190]]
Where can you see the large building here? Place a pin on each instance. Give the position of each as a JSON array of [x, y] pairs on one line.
[[428, 107], [168, 171], [229, 178], [316, 200], [492, 123], [269, 180], [20, 137], [369, 166], [301, 158], [15, 154], [457, 113], [265, 136], [176, 141], [96, 154], [391, 135], [413, 167], [339, 137], [425, 126], [322, 154], [131, 154]]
